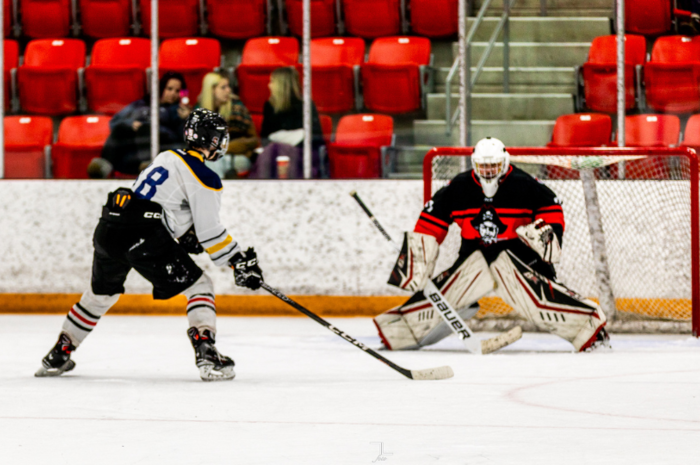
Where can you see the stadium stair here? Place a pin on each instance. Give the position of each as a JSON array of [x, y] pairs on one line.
[[543, 53]]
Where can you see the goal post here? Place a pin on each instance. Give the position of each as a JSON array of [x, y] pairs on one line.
[[632, 236]]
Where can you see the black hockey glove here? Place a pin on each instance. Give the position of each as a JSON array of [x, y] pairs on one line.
[[246, 270], [190, 243]]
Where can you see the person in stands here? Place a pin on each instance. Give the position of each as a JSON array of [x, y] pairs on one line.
[[218, 97], [128, 147], [282, 129]]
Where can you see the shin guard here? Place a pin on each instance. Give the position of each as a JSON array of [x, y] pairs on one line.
[[416, 324], [551, 306]]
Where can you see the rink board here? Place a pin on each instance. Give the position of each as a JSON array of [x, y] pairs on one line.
[[312, 240]]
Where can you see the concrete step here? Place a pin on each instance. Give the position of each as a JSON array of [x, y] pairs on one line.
[[506, 107], [552, 7], [407, 159], [545, 29], [522, 80], [531, 54], [512, 133]]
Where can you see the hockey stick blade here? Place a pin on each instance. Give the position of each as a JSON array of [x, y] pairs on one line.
[[502, 340], [443, 372]]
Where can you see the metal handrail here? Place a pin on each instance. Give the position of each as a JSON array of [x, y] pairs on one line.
[[451, 119]]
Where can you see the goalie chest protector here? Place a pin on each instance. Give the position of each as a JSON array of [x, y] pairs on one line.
[[520, 200]]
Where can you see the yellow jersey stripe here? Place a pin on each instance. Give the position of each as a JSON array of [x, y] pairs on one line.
[[215, 248], [194, 175]]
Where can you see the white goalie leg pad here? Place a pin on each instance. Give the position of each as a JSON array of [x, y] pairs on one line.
[[85, 314], [201, 304], [549, 305], [417, 324]]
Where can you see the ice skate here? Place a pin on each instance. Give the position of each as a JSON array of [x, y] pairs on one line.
[[58, 360], [212, 365]]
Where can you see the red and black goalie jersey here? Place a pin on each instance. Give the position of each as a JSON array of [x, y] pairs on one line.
[[488, 224]]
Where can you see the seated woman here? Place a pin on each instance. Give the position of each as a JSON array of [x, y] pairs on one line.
[[217, 96], [283, 113], [128, 147]]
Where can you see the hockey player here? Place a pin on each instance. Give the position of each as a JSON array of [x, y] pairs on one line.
[[512, 228], [177, 196]]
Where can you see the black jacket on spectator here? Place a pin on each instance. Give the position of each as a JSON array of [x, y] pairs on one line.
[[289, 120], [126, 149]]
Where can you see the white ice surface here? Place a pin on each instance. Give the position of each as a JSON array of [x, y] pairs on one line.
[[304, 396]]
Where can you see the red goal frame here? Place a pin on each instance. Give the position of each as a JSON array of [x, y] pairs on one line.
[[686, 152]]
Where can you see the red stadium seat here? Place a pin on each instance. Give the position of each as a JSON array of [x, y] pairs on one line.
[[648, 17], [691, 136], [27, 140], [650, 131], [334, 62], [237, 19], [322, 17], [600, 72], [45, 18], [193, 58], [326, 127], [434, 18], [117, 75], [80, 139], [48, 80], [672, 76], [106, 18], [393, 78], [257, 121], [261, 56], [582, 130], [176, 18], [11, 49], [356, 152], [7, 18], [372, 18], [578, 130]]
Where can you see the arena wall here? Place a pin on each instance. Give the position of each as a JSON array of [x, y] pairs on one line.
[[312, 239]]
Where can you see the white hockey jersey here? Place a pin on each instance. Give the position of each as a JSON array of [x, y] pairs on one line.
[[190, 193]]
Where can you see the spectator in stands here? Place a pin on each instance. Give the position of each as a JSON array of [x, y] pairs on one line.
[[128, 147], [282, 133], [217, 96]]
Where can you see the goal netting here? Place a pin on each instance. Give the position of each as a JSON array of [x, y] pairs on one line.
[[631, 238]]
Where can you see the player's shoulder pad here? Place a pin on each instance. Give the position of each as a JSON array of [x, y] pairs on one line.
[[200, 170]]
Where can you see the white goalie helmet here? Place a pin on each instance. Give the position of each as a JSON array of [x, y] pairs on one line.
[[491, 161]]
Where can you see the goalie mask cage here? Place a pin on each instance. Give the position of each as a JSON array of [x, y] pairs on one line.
[[631, 240]]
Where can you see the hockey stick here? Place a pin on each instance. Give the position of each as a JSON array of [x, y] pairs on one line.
[[445, 310], [442, 372]]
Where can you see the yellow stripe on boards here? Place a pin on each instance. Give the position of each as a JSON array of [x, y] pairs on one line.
[[226, 305]]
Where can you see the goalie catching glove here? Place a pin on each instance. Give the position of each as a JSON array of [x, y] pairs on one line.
[[540, 237], [416, 262], [246, 271]]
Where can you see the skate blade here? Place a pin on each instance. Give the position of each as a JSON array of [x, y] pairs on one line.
[[46, 373], [208, 373]]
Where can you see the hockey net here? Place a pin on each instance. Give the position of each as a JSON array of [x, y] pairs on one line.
[[631, 240]]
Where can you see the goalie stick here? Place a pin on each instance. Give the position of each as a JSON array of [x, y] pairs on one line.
[[443, 307], [442, 372]]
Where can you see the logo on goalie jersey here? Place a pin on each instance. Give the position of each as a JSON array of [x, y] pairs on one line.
[[489, 225]]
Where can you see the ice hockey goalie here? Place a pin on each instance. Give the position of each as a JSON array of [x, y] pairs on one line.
[[512, 228]]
